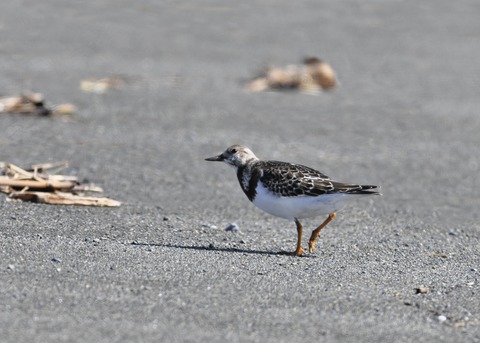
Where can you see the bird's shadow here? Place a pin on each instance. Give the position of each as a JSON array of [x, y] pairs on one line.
[[226, 250]]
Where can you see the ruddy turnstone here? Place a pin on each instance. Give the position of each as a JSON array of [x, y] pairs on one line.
[[291, 191]]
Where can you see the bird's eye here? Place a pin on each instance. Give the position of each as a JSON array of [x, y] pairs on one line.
[[233, 150]]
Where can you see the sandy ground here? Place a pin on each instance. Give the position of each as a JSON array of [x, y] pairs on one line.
[[162, 268]]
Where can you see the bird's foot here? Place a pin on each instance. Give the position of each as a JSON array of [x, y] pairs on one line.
[[299, 252], [311, 245]]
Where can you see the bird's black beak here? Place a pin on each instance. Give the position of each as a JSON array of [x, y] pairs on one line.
[[218, 158]]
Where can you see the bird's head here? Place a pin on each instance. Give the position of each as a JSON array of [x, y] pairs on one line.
[[236, 156]]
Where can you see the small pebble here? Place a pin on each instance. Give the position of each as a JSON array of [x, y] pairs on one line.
[[57, 260], [232, 228], [209, 226], [421, 290], [11, 267], [441, 318]]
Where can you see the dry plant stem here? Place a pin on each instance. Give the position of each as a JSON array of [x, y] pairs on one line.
[[61, 198], [42, 167], [59, 177], [13, 169], [37, 184]]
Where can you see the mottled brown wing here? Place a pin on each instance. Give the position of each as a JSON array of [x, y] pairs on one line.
[[288, 179]]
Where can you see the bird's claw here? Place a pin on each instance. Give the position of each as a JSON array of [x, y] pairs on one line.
[[299, 252]]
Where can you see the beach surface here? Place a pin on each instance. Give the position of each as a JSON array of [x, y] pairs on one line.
[[404, 267]]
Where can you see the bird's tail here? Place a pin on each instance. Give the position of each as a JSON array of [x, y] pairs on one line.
[[357, 189], [367, 189]]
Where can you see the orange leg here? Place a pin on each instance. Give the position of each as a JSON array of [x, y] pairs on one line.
[[316, 232], [299, 250]]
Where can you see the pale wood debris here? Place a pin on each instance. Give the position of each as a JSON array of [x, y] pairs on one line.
[[105, 84], [62, 198], [37, 185], [33, 103], [313, 76]]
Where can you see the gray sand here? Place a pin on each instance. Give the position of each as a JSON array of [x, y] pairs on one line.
[[162, 268]]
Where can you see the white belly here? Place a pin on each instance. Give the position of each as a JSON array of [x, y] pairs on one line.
[[299, 206]]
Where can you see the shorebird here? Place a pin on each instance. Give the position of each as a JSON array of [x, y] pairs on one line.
[[291, 191]]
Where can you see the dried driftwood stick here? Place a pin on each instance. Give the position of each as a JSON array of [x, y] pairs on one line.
[[37, 184], [14, 171], [62, 198], [37, 172], [60, 177], [87, 188], [42, 167]]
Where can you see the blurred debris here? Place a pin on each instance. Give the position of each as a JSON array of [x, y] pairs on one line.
[[36, 185], [64, 109], [466, 322], [103, 85], [25, 104], [439, 254], [233, 227], [313, 76], [320, 73], [459, 324], [33, 103], [422, 290]]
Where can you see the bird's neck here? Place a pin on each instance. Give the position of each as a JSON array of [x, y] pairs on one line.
[[248, 177]]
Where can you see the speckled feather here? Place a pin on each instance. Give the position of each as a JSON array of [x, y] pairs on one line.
[[288, 179]]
